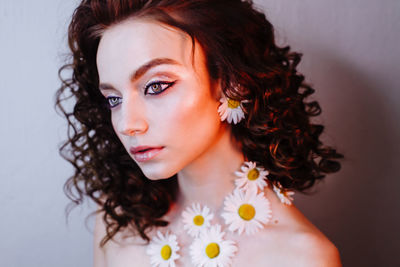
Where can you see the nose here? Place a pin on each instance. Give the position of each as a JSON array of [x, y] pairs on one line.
[[132, 120], [132, 125], [130, 132]]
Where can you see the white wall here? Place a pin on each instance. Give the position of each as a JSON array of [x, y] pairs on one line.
[[351, 58], [33, 231]]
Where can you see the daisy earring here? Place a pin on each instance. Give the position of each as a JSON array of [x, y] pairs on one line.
[[231, 110], [163, 250]]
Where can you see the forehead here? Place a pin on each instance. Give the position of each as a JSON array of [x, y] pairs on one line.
[[134, 42]]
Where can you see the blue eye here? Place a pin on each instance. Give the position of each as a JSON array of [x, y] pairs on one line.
[[113, 101], [158, 88]]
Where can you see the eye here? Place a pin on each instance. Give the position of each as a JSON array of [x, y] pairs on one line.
[[157, 88], [113, 101]]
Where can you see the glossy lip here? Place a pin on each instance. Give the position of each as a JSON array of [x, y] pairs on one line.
[[146, 155], [135, 149]]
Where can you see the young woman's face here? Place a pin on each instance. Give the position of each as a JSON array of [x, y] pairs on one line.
[[169, 105]]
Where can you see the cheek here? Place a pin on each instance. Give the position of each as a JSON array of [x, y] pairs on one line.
[[114, 124], [192, 119], [115, 120]]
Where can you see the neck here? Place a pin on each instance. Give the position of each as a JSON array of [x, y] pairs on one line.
[[210, 177]]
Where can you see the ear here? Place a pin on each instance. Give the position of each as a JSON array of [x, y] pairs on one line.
[[217, 89]]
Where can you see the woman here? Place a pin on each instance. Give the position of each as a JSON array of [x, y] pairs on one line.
[[191, 132]]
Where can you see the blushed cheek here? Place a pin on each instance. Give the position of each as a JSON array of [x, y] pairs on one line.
[[194, 117], [179, 118]]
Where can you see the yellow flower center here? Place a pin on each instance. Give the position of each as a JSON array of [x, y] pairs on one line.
[[253, 174], [233, 103], [247, 212], [198, 220], [166, 252], [212, 250]]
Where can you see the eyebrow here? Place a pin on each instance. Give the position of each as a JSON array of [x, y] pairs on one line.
[[143, 69]]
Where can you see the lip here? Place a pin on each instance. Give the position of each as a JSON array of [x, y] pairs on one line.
[[135, 149], [146, 155]]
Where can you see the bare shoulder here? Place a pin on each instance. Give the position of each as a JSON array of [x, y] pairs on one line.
[[314, 249], [122, 250], [299, 238]]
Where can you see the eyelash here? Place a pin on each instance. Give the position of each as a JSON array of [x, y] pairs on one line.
[[110, 106]]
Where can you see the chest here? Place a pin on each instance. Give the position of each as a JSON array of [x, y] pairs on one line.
[[250, 253]]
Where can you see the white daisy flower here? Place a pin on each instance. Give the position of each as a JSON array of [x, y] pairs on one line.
[[163, 250], [211, 250], [245, 210], [251, 176], [231, 110], [196, 219], [285, 196]]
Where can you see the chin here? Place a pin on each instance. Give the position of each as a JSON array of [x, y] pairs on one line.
[[156, 174]]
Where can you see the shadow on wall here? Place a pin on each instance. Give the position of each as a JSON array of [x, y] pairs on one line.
[[359, 208]]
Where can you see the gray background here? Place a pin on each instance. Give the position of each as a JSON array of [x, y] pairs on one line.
[[351, 57]]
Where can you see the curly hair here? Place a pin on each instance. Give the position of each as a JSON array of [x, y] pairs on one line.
[[240, 48]]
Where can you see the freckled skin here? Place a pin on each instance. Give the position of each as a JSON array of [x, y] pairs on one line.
[[183, 118]]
